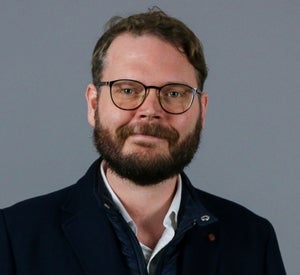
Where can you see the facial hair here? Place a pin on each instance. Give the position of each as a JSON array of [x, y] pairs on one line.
[[146, 169]]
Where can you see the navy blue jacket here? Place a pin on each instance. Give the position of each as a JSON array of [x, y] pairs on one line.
[[78, 231]]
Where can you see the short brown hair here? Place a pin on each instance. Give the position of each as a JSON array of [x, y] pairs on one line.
[[154, 22]]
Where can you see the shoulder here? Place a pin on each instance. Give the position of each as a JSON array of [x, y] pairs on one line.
[[226, 209], [54, 200], [237, 221], [229, 213], [239, 226], [37, 209]]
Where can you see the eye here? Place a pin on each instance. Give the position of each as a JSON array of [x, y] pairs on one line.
[[127, 91], [128, 88], [174, 94]]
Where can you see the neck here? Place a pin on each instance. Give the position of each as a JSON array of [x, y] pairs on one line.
[[147, 205]]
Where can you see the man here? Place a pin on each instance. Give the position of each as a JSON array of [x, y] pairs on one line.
[[135, 211]]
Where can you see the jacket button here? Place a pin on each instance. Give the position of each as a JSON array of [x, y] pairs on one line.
[[205, 218]]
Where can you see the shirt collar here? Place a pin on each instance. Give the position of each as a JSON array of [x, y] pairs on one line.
[[170, 220]]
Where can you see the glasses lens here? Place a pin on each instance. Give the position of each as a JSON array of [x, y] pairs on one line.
[[176, 98], [127, 94]]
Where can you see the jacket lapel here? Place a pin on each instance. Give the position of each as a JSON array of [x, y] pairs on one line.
[[88, 230]]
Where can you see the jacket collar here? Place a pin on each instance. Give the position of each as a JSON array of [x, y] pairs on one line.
[[192, 211], [90, 234]]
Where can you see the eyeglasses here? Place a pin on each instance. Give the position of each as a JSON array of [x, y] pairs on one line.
[[127, 94]]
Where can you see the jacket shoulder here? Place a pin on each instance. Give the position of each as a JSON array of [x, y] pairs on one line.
[[233, 214], [37, 208], [49, 203]]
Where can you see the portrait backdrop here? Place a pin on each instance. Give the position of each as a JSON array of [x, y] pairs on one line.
[[250, 149]]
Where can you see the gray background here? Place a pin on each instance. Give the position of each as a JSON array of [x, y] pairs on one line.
[[250, 151]]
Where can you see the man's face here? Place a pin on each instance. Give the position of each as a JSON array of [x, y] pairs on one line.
[[146, 145]]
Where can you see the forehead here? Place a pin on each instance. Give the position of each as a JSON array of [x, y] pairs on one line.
[[147, 57]]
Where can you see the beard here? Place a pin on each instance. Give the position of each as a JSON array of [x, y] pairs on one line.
[[145, 168]]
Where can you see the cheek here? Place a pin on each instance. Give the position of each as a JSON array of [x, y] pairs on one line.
[[186, 128], [112, 118], [186, 124]]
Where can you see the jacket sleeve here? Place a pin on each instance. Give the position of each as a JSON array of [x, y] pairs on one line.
[[273, 263], [6, 256]]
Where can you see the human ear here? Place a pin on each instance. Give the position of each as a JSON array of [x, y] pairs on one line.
[[204, 103], [92, 102]]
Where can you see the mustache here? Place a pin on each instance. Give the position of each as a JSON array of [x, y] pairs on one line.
[[155, 130]]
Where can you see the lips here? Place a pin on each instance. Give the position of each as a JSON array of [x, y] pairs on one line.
[[148, 131], [155, 130]]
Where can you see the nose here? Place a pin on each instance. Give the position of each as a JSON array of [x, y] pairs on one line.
[[150, 109]]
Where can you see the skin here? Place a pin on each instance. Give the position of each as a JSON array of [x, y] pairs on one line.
[[151, 61]]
